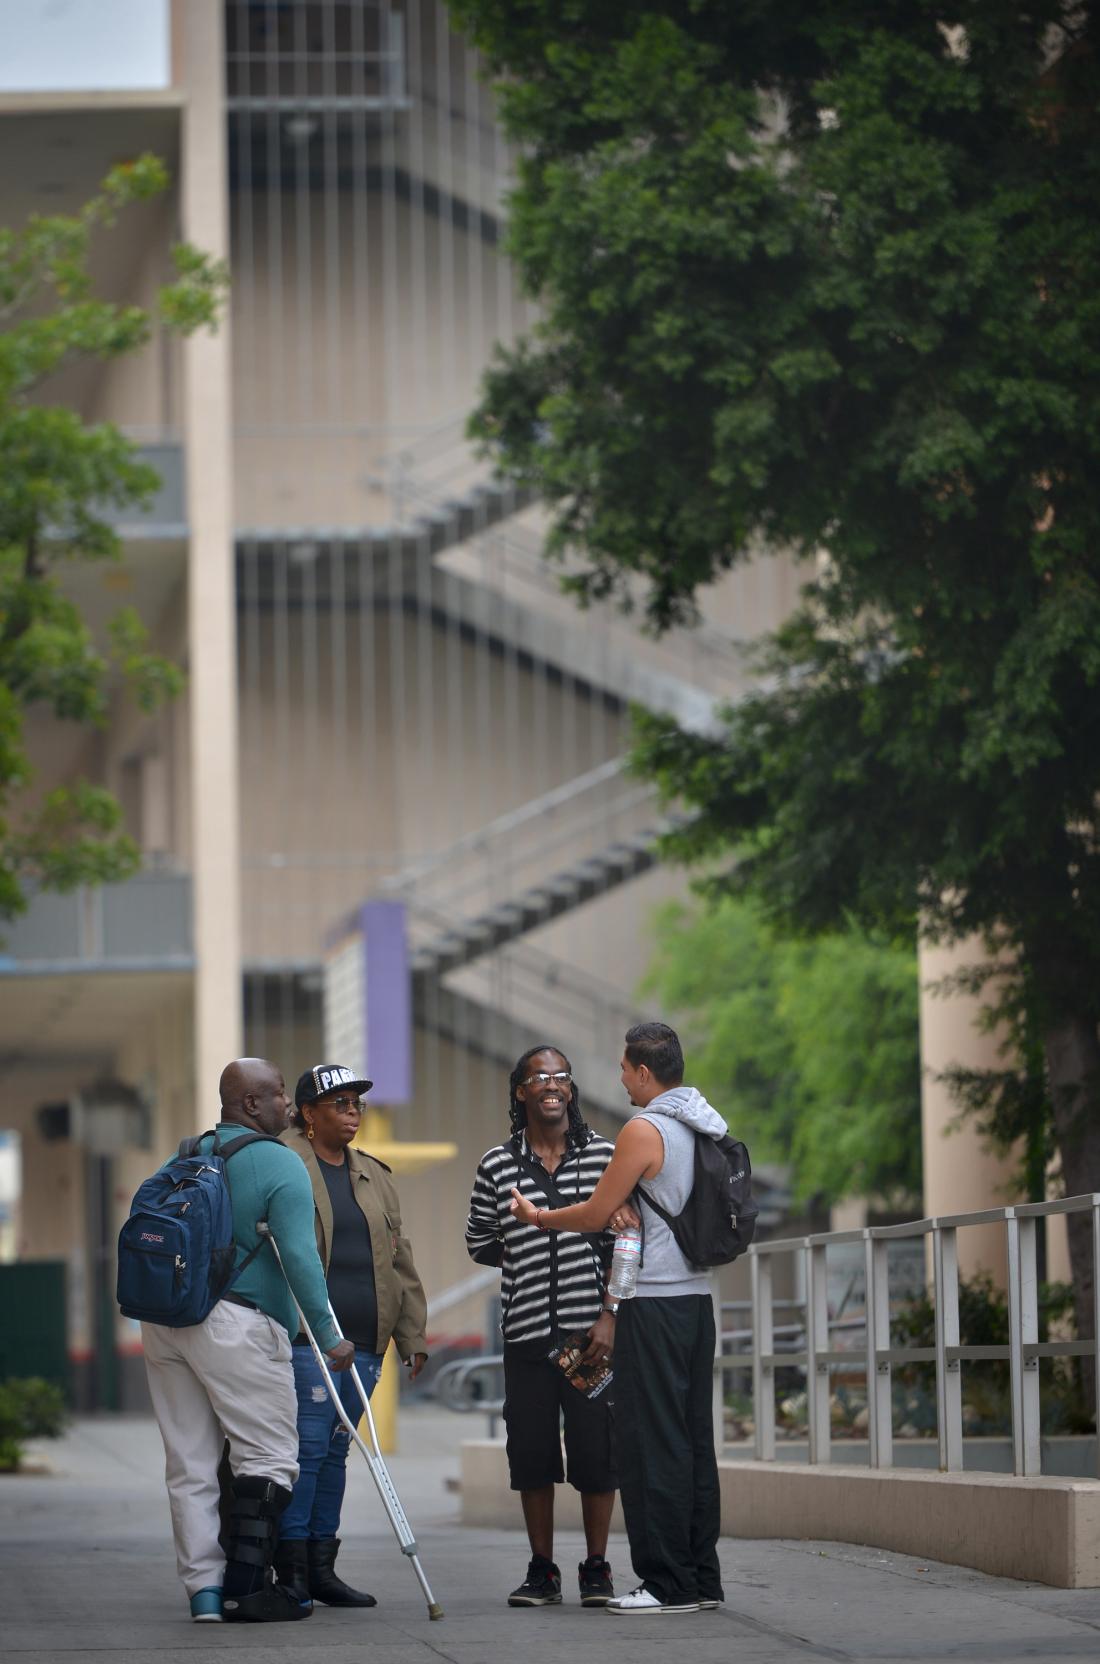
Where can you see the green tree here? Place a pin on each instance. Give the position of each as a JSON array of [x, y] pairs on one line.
[[60, 479], [810, 1049], [824, 276]]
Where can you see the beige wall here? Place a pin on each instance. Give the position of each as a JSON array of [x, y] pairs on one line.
[[141, 392], [151, 1051], [158, 1057], [420, 739], [451, 138], [358, 321]]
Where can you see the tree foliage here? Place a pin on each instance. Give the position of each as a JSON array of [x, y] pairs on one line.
[[823, 276], [809, 1049], [60, 481]]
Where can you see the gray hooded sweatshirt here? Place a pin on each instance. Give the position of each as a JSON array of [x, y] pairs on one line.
[[677, 1114]]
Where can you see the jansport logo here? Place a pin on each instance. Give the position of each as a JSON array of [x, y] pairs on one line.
[[150, 1236]]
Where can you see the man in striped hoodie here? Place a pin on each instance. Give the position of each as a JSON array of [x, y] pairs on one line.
[[551, 1286]]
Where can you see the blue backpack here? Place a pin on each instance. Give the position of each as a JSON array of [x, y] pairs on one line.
[[176, 1250]]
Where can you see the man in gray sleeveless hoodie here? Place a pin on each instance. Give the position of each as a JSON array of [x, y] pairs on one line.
[[664, 1352]]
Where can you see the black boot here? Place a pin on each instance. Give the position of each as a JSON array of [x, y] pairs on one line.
[[250, 1594], [323, 1581], [292, 1569]]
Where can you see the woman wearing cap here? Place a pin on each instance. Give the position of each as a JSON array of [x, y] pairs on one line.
[[376, 1295]]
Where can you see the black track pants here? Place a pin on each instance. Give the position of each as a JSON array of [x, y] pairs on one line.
[[668, 1473]]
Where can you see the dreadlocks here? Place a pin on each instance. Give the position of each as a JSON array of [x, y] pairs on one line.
[[577, 1133]]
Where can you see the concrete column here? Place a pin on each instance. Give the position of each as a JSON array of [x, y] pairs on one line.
[[212, 625], [961, 1173]]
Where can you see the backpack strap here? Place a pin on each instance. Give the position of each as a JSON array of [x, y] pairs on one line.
[[641, 1191], [656, 1206], [226, 1151], [238, 1143], [190, 1147], [547, 1182]]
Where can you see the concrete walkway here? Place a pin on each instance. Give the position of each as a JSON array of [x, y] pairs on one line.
[[87, 1574]]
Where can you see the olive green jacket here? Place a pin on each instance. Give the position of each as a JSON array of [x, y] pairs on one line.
[[402, 1306]]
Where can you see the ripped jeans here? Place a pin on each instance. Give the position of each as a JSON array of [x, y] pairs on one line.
[[323, 1443]]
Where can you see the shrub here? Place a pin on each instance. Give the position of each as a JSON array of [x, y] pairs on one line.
[[987, 1394], [29, 1409]]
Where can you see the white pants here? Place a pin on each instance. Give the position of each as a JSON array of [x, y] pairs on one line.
[[229, 1377]]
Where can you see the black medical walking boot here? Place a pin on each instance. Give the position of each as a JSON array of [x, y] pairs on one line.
[[250, 1594], [324, 1584], [292, 1569]]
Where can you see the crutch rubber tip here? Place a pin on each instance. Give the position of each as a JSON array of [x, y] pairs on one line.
[[435, 1611]]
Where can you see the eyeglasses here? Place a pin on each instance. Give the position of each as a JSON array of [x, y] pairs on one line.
[[339, 1103], [562, 1078]]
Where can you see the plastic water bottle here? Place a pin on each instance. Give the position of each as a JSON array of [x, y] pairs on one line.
[[624, 1264]]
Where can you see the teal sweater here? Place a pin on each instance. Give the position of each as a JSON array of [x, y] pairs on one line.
[[268, 1181]]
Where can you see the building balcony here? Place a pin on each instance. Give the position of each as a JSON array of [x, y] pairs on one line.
[[303, 57], [143, 924], [164, 517]]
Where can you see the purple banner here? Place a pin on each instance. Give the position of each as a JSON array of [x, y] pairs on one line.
[[388, 1000]]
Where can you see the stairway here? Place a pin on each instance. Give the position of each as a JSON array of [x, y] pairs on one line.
[[441, 525], [570, 887]]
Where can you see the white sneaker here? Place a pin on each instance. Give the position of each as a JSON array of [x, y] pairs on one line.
[[640, 1601]]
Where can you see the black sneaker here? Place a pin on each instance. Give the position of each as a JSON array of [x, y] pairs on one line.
[[541, 1586], [594, 1576]]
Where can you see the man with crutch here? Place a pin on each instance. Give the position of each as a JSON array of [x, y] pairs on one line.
[[233, 1372]]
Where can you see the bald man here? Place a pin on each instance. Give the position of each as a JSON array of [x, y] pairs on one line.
[[230, 1377]]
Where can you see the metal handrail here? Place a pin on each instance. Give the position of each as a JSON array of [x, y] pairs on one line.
[[522, 553], [581, 824], [1022, 1353], [475, 1283], [454, 1387], [479, 841]]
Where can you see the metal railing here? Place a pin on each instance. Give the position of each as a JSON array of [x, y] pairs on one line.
[[476, 1385], [144, 921], [549, 820], [302, 59], [697, 653], [1022, 1353], [473, 1386]]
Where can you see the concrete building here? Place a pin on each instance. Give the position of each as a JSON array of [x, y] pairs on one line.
[[388, 696]]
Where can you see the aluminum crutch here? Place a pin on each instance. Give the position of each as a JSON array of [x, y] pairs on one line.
[[379, 1471]]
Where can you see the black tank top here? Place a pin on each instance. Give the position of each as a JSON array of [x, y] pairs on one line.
[[351, 1261]]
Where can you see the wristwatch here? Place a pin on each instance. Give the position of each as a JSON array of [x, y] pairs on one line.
[[612, 1306]]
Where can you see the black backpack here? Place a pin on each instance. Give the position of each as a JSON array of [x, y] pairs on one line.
[[719, 1219]]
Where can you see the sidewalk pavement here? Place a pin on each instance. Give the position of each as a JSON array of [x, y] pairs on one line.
[[87, 1574]]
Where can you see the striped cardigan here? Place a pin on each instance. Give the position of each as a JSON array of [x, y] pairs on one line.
[[550, 1280]]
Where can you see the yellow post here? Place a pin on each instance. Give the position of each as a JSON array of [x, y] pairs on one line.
[[383, 1402], [375, 1137]]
